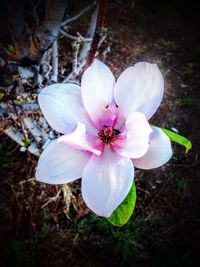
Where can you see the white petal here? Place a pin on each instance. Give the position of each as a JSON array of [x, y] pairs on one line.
[[137, 140], [79, 140], [59, 164], [106, 182], [62, 106], [159, 151], [97, 89], [139, 88]]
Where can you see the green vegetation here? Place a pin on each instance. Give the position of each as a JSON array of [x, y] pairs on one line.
[[126, 244], [20, 253]]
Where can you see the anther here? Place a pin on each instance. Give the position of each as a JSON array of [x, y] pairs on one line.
[[107, 134]]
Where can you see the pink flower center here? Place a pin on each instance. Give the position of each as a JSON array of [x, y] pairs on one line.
[[108, 135]]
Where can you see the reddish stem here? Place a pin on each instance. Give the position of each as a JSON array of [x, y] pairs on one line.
[[97, 35]]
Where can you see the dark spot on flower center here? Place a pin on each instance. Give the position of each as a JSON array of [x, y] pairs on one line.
[[107, 134]]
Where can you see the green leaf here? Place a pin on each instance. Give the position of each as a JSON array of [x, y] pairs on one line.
[[26, 142], [123, 212], [177, 138], [11, 48], [1, 96], [103, 30]]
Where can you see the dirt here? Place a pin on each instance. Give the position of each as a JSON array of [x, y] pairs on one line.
[[167, 225]]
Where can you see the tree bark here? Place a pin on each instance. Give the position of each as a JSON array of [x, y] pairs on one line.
[[32, 46]]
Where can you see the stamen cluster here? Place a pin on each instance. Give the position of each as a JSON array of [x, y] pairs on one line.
[[107, 134]]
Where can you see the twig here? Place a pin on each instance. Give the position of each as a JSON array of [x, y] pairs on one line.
[[75, 48], [90, 34], [86, 47], [175, 70], [82, 12], [20, 122], [52, 199], [83, 39], [36, 127], [68, 35], [145, 191], [16, 136], [97, 35], [54, 75], [75, 38], [33, 129], [102, 40]]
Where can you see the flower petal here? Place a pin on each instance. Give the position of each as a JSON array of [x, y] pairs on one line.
[[78, 139], [139, 88], [97, 89], [59, 164], [137, 140], [106, 182], [159, 151], [62, 106]]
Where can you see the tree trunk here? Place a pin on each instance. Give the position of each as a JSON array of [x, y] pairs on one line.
[[32, 46]]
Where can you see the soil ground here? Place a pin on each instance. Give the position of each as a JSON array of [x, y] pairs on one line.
[[39, 230]]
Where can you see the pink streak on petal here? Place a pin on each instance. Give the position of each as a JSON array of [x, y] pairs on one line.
[[108, 117], [79, 140]]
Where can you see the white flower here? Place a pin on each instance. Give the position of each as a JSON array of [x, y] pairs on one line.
[[105, 132]]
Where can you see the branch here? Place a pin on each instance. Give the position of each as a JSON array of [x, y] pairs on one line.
[[90, 34], [76, 38], [54, 75], [75, 48], [77, 16], [31, 126], [33, 131], [85, 49], [15, 135], [43, 35], [97, 35]]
